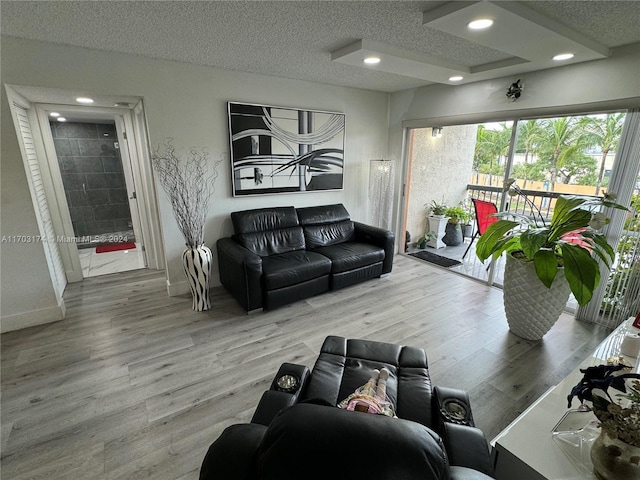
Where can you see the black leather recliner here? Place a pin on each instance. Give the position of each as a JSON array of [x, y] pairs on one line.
[[280, 255], [297, 431]]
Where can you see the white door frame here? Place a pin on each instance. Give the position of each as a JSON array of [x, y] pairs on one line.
[[148, 220], [132, 185]]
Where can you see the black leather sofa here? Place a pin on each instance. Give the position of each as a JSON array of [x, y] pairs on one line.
[[297, 431], [284, 254]]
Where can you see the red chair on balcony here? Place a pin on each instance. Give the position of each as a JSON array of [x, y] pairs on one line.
[[484, 211]]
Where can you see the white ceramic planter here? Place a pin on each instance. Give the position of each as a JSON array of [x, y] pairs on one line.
[[437, 224], [530, 307]]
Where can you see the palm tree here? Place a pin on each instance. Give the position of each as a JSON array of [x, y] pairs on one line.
[[529, 135], [605, 133], [493, 144], [561, 139]]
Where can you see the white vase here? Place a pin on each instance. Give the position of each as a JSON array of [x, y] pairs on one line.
[[530, 307], [197, 267]]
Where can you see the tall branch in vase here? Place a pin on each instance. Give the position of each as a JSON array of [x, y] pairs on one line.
[[188, 186]]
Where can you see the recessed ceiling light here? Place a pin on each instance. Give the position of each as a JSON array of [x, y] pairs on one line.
[[372, 60], [563, 56], [480, 24], [456, 78], [61, 119], [54, 114], [84, 100]]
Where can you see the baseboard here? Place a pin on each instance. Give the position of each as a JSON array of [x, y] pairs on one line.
[[19, 321]]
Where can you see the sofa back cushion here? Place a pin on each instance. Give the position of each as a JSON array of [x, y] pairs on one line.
[[326, 225], [313, 441], [346, 364], [268, 231]]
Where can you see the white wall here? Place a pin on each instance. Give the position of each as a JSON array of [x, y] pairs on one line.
[[440, 169], [186, 102]]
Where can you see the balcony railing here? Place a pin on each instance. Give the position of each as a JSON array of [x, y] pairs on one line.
[[538, 204]]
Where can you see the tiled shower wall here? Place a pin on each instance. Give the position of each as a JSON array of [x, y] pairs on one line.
[[93, 180]]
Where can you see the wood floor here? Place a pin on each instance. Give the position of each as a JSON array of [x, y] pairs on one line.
[[133, 384]]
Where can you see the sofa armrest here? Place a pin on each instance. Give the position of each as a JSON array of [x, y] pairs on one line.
[[240, 272], [271, 403], [232, 456], [278, 398], [452, 405], [467, 447], [380, 237]]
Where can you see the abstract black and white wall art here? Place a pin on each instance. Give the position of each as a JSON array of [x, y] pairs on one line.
[[285, 150]]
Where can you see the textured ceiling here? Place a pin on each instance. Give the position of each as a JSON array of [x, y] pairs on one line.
[[292, 39]]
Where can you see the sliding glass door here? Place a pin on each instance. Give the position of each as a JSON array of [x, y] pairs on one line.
[[545, 158]]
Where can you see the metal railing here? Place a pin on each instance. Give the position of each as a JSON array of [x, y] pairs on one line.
[[533, 203]]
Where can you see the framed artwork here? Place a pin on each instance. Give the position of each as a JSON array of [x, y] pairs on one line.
[[285, 150]]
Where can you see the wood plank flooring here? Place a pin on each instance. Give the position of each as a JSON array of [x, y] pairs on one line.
[[133, 384]]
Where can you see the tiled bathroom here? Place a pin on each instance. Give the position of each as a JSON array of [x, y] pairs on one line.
[[96, 191], [93, 180]]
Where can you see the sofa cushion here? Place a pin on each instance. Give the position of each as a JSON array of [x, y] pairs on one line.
[[329, 234], [314, 441], [261, 219], [273, 242], [326, 225], [285, 269], [351, 255], [344, 365], [322, 214], [268, 231]]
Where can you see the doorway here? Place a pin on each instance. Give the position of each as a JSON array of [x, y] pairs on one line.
[[100, 193]]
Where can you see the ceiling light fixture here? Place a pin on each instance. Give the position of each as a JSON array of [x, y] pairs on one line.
[[456, 78], [54, 114], [372, 60], [480, 24], [61, 119], [85, 100], [436, 132], [563, 56]]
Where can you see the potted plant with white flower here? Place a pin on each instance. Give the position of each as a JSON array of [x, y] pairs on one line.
[[546, 262]]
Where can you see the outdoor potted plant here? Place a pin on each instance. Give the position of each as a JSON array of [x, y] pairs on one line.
[[616, 452], [422, 241], [548, 261], [437, 209], [437, 223], [467, 223], [453, 231]]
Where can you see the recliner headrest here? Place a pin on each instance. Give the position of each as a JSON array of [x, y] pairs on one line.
[[263, 219], [318, 442], [322, 214]]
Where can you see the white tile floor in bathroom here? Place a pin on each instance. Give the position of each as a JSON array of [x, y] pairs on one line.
[[94, 264]]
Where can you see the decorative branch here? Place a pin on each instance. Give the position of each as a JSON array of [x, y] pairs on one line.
[[188, 187]]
